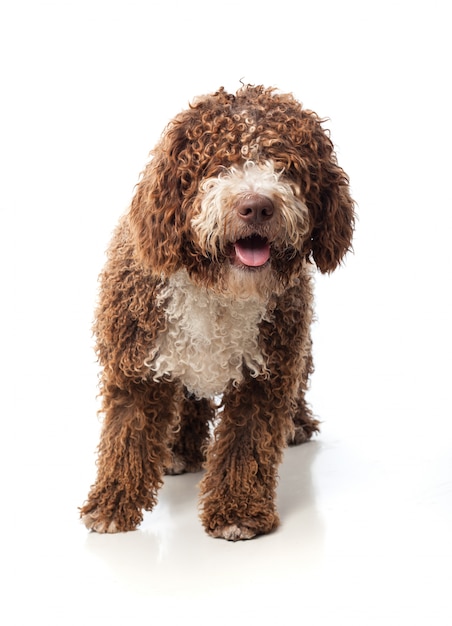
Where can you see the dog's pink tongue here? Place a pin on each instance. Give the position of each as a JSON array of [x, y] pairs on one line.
[[252, 252]]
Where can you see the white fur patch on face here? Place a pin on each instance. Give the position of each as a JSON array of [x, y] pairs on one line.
[[207, 337], [216, 223]]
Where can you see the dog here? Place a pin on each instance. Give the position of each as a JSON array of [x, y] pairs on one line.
[[205, 307]]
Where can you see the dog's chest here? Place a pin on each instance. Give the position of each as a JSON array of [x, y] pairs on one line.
[[206, 338]]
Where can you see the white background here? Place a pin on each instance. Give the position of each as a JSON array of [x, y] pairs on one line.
[[86, 89]]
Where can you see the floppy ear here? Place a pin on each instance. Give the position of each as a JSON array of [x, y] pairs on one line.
[[331, 206], [157, 215]]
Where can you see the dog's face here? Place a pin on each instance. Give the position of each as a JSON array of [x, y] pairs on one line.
[[250, 221], [242, 189]]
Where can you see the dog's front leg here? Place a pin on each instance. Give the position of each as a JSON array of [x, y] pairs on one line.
[[133, 451], [238, 490]]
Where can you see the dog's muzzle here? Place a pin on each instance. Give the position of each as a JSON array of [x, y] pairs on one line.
[[254, 210]]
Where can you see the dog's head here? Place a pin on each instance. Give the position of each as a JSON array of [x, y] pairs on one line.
[[243, 185]]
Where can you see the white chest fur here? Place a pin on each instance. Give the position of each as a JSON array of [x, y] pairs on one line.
[[207, 337]]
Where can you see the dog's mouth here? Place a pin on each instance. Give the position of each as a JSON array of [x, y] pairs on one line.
[[252, 251]]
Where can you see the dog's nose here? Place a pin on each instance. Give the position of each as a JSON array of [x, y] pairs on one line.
[[255, 208]]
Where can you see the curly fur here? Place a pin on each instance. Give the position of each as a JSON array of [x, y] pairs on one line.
[[208, 338], [207, 293]]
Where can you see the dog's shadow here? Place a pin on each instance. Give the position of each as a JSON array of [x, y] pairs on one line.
[[295, 488], [301, 520]]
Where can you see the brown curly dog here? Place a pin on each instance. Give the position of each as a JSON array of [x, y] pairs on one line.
[[206, 294]]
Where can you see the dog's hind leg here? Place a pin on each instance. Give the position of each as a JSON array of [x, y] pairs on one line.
[[304, 423], [133, 452], [189, 446]]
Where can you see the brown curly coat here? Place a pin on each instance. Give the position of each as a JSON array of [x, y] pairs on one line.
[[207, 292]]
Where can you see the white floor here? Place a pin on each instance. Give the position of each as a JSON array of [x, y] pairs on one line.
[[366, 508], [365, 539]]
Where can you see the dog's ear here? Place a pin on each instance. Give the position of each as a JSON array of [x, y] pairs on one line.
[[331, 206], [157, 214]]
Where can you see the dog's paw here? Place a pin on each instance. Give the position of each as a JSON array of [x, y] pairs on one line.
[[237, 519], [179, 465], [302, 433], [298, 436], [233, 532], [93, 521]]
